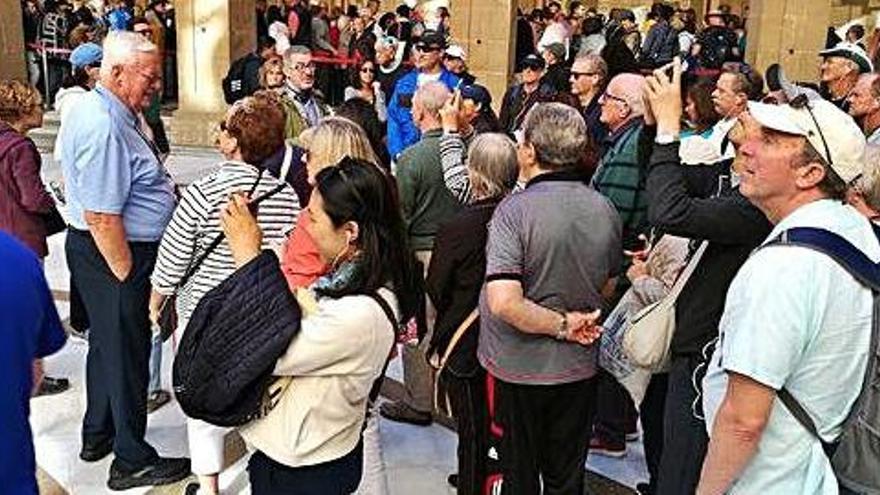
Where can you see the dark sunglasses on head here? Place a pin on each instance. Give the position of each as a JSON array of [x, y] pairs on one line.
[[800, 102]]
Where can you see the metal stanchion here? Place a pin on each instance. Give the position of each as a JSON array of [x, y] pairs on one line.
[[45, 73]]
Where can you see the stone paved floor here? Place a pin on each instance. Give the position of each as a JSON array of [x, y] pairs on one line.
[[417, 459]]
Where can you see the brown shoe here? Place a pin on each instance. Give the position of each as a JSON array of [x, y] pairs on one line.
[[157, 399], [403, 413]]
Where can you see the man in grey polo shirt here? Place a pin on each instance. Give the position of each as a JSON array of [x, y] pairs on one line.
[[552, 254], [120, 199]]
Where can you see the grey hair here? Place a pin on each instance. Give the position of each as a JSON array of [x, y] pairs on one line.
[[121, 47], [558, 134], [868, 184], [295, 50], [596, 62], [492, 165], [432, 96]]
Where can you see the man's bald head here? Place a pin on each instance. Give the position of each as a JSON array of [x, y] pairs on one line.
[[427, 102], [622, 100]]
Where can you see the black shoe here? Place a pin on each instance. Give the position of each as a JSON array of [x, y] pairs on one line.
[[163, 471], [645, 489], [402, 413], [452, 480], [191, 489], [96, 451], [52, 386]]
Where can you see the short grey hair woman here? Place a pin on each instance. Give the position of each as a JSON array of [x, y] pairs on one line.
[[453, 284]]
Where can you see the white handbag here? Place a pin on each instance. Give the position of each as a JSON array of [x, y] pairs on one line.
[[646, 342]]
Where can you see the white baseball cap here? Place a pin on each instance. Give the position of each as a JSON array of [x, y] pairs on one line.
[[456, 51], [850, 51], [832, 132]]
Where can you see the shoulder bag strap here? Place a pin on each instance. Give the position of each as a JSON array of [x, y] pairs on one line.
[[191, 270], [685, 274], [395, 326], [287, 162], [453, 342]]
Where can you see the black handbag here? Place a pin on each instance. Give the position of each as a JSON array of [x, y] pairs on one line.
[[53, 221]]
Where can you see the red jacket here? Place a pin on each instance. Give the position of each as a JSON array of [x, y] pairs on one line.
[[22, 194]]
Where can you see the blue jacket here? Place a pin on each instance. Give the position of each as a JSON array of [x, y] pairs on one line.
[[402, 132]]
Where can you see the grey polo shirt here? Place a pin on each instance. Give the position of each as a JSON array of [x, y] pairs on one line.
[[562, 241]]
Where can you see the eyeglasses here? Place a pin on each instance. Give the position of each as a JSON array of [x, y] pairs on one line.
[[427, 49], [534, 68], [800, 102], [608, 96], [304, 67], [149, 78], [368, 69], [579, 74]]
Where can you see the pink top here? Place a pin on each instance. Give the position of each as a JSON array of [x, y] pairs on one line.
[[302, 264]]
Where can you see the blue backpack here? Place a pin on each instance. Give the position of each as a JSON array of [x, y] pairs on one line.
[[855, 455]]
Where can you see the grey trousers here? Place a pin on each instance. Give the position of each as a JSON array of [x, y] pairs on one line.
[[418, 376]]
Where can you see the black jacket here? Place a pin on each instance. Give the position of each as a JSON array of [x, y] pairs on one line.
[[558, 77], [516, 104], [733, 227], [455, 278]]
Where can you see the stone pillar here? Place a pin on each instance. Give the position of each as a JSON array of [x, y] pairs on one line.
[[487, 31], [211, 34], [790, 32], [12, 41]]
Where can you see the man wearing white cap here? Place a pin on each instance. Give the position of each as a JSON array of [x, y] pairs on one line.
[[455, 61], [840, 71], [793, 320]]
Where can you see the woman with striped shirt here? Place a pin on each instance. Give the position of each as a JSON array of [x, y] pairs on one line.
[[252, 131]]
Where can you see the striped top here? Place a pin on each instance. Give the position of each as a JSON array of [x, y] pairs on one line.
[[196, 223]]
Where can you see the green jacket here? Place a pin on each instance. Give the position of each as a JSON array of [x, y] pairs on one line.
[[296, 123], [621, 178], [424, 198]]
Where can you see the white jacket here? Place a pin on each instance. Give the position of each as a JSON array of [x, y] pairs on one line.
[[64, 101], [339, 352]]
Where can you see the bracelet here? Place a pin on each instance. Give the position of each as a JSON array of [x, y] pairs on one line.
[[562, 331]]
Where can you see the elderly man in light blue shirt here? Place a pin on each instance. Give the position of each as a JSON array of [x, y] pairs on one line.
[[793, 317], [120, 199]]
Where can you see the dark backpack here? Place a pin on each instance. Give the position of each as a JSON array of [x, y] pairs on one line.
[[239, 329], [715, 48], [234, 84], [855, 455]]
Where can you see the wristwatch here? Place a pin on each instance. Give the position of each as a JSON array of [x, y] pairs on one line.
[[666, 138], [562, 330]]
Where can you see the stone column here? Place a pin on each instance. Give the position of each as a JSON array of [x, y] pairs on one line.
[[487, 31], [790, 32], [211, 34], [12, 41]]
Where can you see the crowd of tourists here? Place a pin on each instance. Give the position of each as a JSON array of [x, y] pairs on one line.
[[652, 239]]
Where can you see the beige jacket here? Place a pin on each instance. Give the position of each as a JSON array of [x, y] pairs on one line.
[[333, 361]]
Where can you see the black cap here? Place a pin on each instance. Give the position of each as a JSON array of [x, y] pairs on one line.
[[533, 61], [431, 39], [476, 93]]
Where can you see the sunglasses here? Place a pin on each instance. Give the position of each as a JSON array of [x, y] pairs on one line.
[[533, 67], [368, 69], [579, 74], [428, 49], [801, 102]]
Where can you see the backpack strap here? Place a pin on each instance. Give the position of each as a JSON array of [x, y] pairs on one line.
[[857, 264]]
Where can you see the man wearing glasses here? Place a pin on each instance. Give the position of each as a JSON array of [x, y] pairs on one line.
[[119, 198], [304, 108], [402, 132], [521, 97], [588, 74]]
